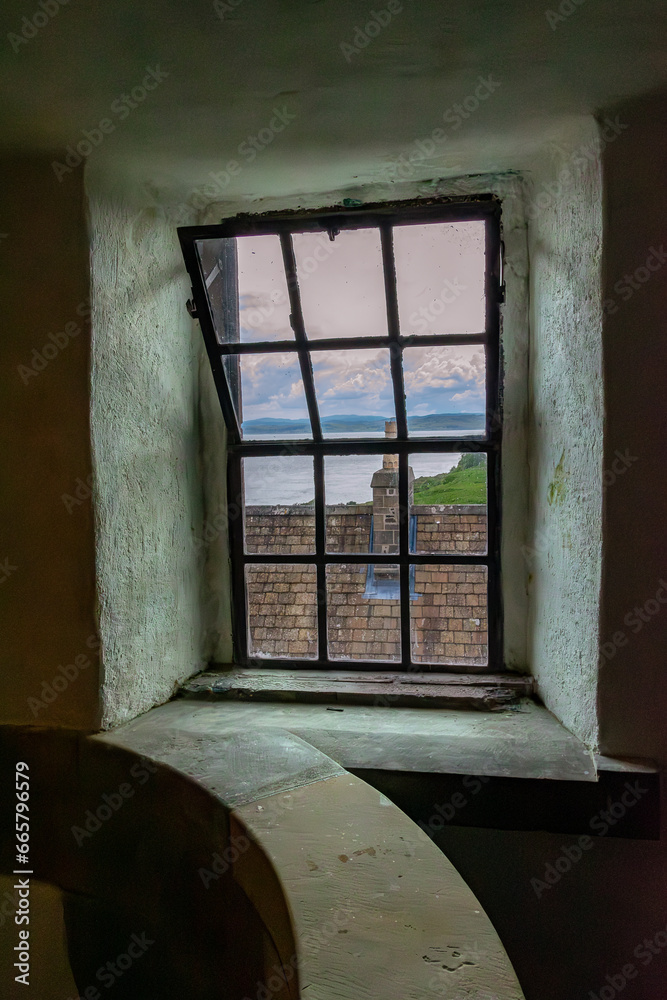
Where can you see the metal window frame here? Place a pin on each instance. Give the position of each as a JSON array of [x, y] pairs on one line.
[[383, 216]]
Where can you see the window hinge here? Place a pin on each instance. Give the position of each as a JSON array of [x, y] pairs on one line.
[[191, 308], [501, 273]]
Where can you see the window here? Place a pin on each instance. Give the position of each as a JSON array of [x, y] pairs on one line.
[[356, 359]]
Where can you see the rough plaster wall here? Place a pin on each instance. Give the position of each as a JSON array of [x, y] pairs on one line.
[[510, 189], [145, 437], [214, 539], [565, 232]]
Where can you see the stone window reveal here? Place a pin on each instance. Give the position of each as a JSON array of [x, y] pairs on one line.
[[358, 350]]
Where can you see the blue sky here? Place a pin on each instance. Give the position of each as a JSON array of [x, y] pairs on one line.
[[440, 270]]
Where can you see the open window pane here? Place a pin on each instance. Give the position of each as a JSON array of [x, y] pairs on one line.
[[264, 308], [354, 392], [445, 391], [341, 283], [448, 620], [282, 610], [246, 288], [279, 507], [440, 278], [217, 258], [449, 503], [363, 612], [271, 403]]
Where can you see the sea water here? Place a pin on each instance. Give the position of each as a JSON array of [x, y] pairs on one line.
[[289, 479]]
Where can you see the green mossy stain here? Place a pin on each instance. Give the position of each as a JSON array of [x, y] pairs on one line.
[[556, 491]]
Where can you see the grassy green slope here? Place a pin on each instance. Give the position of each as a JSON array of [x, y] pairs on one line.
[[465, 486]]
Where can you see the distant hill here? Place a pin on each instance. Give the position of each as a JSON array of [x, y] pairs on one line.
[[371, 424], [464, 484]]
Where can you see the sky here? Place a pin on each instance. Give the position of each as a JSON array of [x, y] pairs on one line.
[[440, 284]]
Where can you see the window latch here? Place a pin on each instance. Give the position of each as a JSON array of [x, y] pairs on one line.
[[191, 308]]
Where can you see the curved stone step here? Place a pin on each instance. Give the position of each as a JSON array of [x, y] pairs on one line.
[[376, 909]]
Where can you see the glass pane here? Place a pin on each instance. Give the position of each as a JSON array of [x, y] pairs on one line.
[[219, 267], [279, 510], [271, 403], [440, 278], [264, 307], [349, 501], [341, 284], [282, 611], [445, 391], [363, 612], [247, 288], [354, 392], [448, 618], [449, 503]]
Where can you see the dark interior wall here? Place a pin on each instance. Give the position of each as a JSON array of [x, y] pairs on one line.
[[565, 939], [633, 683], [47, 580], [568, 917]]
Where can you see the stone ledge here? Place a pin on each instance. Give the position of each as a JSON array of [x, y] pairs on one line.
[[484, 692], [521, 741]]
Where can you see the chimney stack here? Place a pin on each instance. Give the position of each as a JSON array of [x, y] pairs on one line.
[[385, 506], [390, 461]]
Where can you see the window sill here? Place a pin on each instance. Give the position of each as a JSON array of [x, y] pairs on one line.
[[519, 739], [536, 774], [483, 692]]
